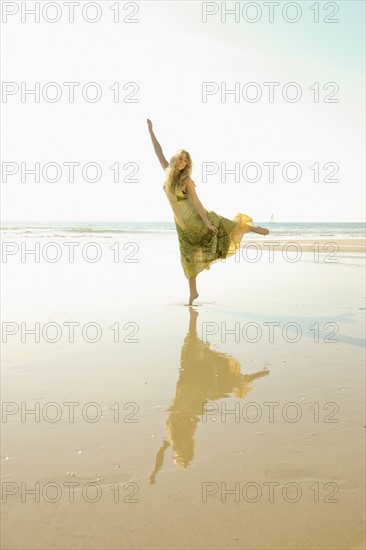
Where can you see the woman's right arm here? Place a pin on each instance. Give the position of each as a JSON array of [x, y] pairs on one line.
[[157, 147]]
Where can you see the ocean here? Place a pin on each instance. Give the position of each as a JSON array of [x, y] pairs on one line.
[[109, 230]]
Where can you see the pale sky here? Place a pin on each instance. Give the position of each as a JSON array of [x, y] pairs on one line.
[[170, 52]]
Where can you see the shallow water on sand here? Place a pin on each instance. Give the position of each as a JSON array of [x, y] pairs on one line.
[[234, 424]]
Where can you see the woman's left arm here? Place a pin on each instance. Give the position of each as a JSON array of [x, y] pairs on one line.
[[199, 206]]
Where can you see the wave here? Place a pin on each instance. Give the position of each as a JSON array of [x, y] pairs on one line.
[[113, 229]]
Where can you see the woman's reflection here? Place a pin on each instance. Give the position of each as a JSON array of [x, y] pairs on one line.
[[204, 375]]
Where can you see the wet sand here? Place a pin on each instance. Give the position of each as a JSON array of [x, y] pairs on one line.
[[237, 423], [315, 246]]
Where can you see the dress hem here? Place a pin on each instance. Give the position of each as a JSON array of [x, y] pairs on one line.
[[233, 245]]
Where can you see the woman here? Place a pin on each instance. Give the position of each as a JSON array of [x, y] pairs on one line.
[[205, 376], [204, 236]]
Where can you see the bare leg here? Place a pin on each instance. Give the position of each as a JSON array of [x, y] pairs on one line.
[[193, 294], [258, 229], [193, 314]]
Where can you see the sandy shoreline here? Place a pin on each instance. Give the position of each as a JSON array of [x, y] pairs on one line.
[[310, 245], [290, 334]]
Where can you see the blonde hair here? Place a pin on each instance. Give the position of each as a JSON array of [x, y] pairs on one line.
[[175, 181]]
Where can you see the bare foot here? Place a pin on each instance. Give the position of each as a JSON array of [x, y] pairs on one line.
[[260, 230], [192, 297]]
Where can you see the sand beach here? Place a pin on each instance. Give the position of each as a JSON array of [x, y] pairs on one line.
[[236, 423]]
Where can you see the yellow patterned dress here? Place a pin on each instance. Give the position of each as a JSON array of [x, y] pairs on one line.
[[200, 247]]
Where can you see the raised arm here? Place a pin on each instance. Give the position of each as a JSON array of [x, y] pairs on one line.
[[157, 147]]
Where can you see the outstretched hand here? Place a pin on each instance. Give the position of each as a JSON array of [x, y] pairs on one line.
[[149, 124]]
